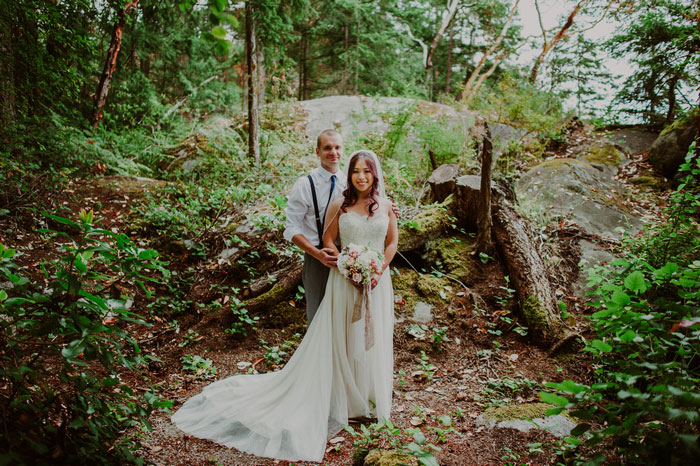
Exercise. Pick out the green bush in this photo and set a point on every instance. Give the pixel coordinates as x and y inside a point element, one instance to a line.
<point>646,396</point>
<point>63,346</point>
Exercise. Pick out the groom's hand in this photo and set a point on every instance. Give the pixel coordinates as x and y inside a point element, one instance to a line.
<point>395,208</point>
<point>328,257</point>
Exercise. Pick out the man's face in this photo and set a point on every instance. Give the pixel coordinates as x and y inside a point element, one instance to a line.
<point>330,151</point>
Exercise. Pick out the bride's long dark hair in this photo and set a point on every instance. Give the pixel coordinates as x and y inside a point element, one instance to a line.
<point>350,194</point>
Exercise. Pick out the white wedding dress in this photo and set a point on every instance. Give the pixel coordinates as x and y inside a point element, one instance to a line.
<point>290,414</point>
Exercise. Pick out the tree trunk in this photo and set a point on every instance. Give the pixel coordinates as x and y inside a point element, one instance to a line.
<point>301,94</point>
<point>469,88</point>
<point>466,203</point>
<point>345,86</point>
<point>483,218</point>
<point>357,54</point>
<point>443,181</point>
<point>448,69</point>
<point>518,246</point>
<point>671,99</point>
<point>447,17</point>
<point>253,129</point>
<point>549,45</point>
<point>110,62</point>
<point>261,75</point>
<point>8,112</point>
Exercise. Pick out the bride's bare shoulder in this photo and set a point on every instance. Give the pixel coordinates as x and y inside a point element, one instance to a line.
<point>384,204</point>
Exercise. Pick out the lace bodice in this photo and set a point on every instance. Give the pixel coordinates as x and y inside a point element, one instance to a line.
<point>363,230</point>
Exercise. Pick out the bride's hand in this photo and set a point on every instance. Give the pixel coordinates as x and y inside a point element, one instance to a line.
<point>374,281</point>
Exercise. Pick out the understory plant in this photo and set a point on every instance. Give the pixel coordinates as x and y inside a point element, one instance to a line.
<point>65,346</point>
<point>646,397</point>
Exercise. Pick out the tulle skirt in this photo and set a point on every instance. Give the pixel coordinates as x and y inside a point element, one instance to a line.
<point>290,414</point>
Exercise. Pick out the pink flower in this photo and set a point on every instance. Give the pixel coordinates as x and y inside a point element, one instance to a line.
<point>352,254</point>
<point>356,277</point>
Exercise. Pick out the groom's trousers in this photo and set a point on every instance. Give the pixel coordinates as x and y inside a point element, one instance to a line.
<point>314,275</point>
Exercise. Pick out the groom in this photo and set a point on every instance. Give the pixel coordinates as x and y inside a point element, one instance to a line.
<point>306,214</point>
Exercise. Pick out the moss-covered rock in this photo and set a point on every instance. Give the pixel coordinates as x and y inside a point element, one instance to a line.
<point>389,458</point>
<point>670,148</point>
<point>452,253</point>
<point>429,223</point>
<point>404,282</point>
<point>605,154</point>
<point>284,315</point>
<point>430,287</point>
<point>651,182</point>
<point>522,411</point>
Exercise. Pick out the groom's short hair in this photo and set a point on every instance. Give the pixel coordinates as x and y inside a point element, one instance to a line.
<point>326,132</point>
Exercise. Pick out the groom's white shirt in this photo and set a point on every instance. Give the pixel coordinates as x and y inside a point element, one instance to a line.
<point>301,217</point>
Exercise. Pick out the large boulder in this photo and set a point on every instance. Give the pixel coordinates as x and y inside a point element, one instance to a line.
<point>577,190</point>
<point>356,116</point>
<point>670,148</point>
<point>631,140</point>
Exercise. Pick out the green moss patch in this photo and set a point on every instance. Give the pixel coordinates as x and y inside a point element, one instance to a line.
<point>285,315</point>
<point>607,154</point>
<point>513,412</point>
<point>452,254</point>
<point>535,314</point>
<point>429,287</point>
<point>650,182</point>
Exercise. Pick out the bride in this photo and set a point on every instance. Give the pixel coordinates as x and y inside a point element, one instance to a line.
<point>332,376</point>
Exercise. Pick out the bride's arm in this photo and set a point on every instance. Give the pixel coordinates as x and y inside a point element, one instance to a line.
<point>392,244</point>
<point>392,240</point>
<point>330,231</point>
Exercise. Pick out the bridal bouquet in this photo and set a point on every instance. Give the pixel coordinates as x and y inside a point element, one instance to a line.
<point>359,263</point>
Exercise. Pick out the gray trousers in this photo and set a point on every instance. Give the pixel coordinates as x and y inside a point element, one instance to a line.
<point>314,276</point>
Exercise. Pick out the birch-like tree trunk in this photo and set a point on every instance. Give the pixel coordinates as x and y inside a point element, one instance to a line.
<point>473,82</point>
<point>111,62</point>
<point>548,45</point>
<point>251,53</point>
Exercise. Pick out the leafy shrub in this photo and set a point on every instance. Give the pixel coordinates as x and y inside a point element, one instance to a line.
<point>646,399</point>
<point>199,366</point>
<point>63,345</point>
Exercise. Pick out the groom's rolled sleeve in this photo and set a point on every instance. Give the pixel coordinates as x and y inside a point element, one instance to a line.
<point>296,210</point>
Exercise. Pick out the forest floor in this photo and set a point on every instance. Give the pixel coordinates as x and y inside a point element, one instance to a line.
<point>481,363</point>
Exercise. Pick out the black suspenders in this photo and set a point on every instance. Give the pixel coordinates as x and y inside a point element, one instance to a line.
<point>319,227</point>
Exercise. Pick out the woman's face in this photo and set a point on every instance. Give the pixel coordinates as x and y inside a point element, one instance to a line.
<point>362,178</point>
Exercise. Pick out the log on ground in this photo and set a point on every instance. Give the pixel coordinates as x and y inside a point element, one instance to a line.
<point>287,283</point>
<point>519,249</point>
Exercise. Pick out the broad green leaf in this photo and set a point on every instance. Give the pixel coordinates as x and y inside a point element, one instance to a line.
<point>58,219</point>
<point>79,264</point>
<point>601,346</point>
<point>73,349</point>
<point>620,298</point>
<point>218,32</point>
<point>628,335</point>
<point>553,399</point>
<point>667,270</point>
<point>148,254</point>
<point>602,314</point>
<point>3,295</point>
<point>222,47</point>
<point>419,437</point>
<point>571,387</point>
<point>554,411</point>
<point>636,282</point>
